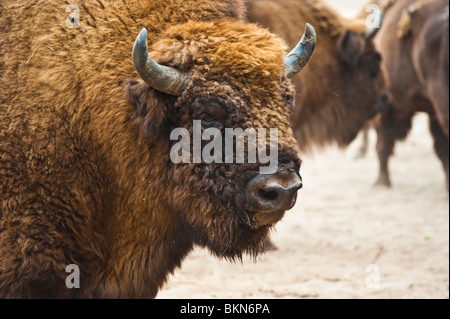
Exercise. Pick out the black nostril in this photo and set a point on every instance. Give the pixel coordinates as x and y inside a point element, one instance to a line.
<point>268,195</point>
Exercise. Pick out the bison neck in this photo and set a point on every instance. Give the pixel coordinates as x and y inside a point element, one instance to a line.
<point>145,248</point>
<point>144,238</point>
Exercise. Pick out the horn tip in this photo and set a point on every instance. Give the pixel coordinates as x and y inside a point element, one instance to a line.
<point>310,32</point>
<point>139,52</point>
<point>142,37</point>
<point>143,31</point>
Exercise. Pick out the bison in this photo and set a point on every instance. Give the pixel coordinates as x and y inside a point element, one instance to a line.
<point>414,43</point>
<point>343,86</point>
<point>86,177</point>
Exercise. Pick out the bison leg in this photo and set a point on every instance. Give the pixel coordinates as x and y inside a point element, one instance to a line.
<point>36,246</point>
<point>364,143</point>
<point>30,267</point>
<point>441,144</point>
<point>391,129</point>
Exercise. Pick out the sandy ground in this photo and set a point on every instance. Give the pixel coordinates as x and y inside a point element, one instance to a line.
<point>345,238</point>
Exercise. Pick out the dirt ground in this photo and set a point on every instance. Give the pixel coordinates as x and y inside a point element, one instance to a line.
<point>345,238</point>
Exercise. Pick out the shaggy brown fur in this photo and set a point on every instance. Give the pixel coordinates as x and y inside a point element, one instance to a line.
<point>415,45</point>
<point>342,86</point>
<point>85,173</point>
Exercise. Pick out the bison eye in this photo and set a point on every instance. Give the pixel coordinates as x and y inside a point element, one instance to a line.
<point>209,122</point>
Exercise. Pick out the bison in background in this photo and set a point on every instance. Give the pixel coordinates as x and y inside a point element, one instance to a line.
<point>414,42</point>
<point>342,87</point>
<point>85,171</point>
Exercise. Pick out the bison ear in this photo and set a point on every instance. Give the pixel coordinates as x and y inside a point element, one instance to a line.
<point>150,105</point>
<point>350,47</point>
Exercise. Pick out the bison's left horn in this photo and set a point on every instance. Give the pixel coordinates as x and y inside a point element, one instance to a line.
<point>299,57</point>
<point>376,25</point>
<point>162,78</point>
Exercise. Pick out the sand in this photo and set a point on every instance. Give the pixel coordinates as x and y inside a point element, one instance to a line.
<point>345,238</point>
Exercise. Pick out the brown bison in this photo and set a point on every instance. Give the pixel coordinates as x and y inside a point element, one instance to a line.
<point>86,176</point>
<point>414,42</point>
<point>342,87</point>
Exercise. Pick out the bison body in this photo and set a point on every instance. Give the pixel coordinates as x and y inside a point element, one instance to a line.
<point>85,170</point>
<point>342,87</point>
<point>415,45</point>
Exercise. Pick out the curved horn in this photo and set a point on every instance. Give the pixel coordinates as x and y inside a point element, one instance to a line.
<point>162,78</point>
<point>378,19</point>
<point>299,57</point>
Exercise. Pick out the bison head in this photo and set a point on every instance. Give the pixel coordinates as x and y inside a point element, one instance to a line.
<point>222,75</point>
<point>363,85</point>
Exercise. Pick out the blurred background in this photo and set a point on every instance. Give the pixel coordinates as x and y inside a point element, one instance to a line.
<point>345,238</point>
<point>348,8</point>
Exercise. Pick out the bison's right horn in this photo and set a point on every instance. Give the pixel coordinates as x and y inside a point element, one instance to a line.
<point>162,78</point>
<point>302,53</point>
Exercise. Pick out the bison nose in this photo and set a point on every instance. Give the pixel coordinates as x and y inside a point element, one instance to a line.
<point>273,193</point>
